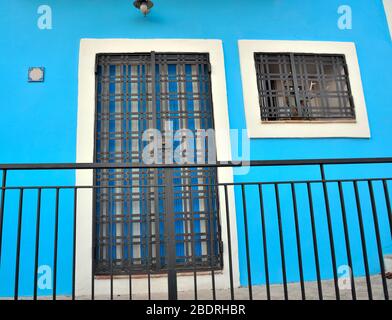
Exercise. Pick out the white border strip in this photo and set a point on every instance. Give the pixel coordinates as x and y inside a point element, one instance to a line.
<point>304,129</point>
<point>89,48</point>
<point>388,12</point>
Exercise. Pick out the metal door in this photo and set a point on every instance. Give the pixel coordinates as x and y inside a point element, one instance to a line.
<point>153,220</point>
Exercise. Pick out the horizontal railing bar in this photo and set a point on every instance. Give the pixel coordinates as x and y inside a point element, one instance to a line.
<point>222,164</point>
<point>197,185</point>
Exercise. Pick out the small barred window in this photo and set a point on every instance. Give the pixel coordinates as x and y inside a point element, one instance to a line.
<point>303,87</point>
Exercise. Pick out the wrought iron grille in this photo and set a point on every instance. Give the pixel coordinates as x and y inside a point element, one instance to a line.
<point>136,220</point>
<point>303,87</point>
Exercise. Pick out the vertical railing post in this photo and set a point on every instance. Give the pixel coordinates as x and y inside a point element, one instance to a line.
<point>74,244</point>
<point>388,203</point>
<point>110,251</point>
<point>212,238</point>
<point>378,240</point>
<point>170,234</point>
<point>2,203</point>
<point>298,238</point>
<point>314,238</point>
<point>37,236</point>
<point>347,239</point>
<point>18,244</point>
<point>330,232</point>
<point>229,242</point>
<point>281,241</point>
<point>363,241</point>
<point>56,240</point>
<point>265,248</point>
<point>248,267</point>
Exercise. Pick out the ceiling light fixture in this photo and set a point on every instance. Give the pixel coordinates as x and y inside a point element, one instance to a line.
<point>144,6</point>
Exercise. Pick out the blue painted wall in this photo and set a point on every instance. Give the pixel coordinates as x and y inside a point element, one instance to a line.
<point>38,121</point>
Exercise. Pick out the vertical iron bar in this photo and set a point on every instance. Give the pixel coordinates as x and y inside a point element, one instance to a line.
<point>213,284</point>
<point>110,221</point>
<point>314,237</point>
<point>298,236</point>
<point>2,203</point>
<point>130,284</point>
<point>93,241</point>
<point>296,86</point>
<point>388,202</point>
<point>153,90</point>
<point>378,239</point>
<point>330,233</point>
<point>98,80</point>
<point>193,246</point>
<point>211,242</point>
<point>247,243</point>
<point>347,240</point>
<point>229,243</point>
<point>130,247</point>
<point>156,171</point>
<point>194,274</point>
<point>171,241</point>
<point>363,241</point>
<point>219,225</point>
<point>265,249</point>
<point>172,278</point>
<point>56,232</point>
<point>74,244</point>
<point>16,292</point>
<point>155,182</point>
<point>281,240</point>
<point>37,236</point>
<point>195,284</point>
<point>149,273</point>
<point>148,241</point>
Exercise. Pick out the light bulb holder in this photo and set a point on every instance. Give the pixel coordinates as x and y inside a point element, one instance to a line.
<point>138,4</point>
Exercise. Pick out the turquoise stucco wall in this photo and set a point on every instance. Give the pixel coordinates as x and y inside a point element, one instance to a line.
<point>38,121</point>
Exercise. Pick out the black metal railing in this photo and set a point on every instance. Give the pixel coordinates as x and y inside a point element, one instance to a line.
<point>308,237</point>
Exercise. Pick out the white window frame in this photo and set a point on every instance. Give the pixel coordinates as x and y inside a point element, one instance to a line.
<point>257,128</point>
<point>89,48</point>
<point>388,12</point>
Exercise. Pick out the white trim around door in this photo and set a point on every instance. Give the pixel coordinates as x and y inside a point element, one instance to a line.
<point>89,48</point>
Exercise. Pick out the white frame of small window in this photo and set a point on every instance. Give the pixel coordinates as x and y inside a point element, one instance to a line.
<point>388,13</point>
<point>257,128</point>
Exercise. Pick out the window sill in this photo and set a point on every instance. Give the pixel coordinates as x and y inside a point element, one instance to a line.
<point>292,129</point>
<point>263,122</point>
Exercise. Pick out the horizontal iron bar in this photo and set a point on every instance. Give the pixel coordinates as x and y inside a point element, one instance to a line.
<point>221,164</point>
<point>223,184</point>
